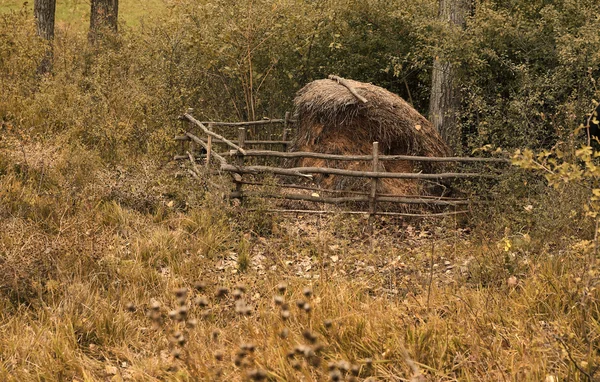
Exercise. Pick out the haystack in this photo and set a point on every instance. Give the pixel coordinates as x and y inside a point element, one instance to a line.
<point>334,121</point>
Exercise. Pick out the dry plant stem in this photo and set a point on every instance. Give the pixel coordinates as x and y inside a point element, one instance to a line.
<point>593,259</point>
<point>573,361</point>
<point>430,275</point>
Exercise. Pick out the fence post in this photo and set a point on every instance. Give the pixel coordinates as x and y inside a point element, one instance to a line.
<point>182,142</point>
<point>191,130</point>
<point>374,183</point>
<point>240,159</point>
<point>209,146</point>
<point>286,120</point>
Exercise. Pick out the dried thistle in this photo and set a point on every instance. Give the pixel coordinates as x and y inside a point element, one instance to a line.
<point>281,287</point>
<point>257,375</point>
<point>309,336</point>
<point>181,293</point>
<point>307,292</point>
<point>201,301</point>
<point>222,292</point>
<point>278,300</point>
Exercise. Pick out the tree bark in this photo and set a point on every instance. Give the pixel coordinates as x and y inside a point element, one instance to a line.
<point>103,17</point>
<point>43,11</point>
<point>445,94</point>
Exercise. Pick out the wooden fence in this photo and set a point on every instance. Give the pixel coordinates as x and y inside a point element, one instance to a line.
<point>237,156</point>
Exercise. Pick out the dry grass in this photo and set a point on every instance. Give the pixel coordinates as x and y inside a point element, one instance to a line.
<point>331,120</point>
<point>90,291</point>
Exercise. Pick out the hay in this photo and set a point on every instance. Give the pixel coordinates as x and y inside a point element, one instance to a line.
<point>332,120</point>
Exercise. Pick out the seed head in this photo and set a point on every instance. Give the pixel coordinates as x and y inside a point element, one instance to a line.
<point>173,314</point>
<point>237,294</point>
<point>300,303</point>
<point>343,365</point>
<point>238,361</point>
<point>215,334</point>
<point>218,356</point>
<point>257,375</point>
<point>249,347</point>
<point>328,324</point>
<point>314,361</point>
<point>284,333</point>
<point>199,286</point>
<point>307,292</point>
<point>241,288</point>
<point>130,307</point>
<point>222,292</point>
<point>297,365</point>
<point>278,300</point>
<point>201,301</point>
<point>281,287</point>
<point>191,323</point>
<point>181,292</point>
<point>306,307</point>
<point>355,370</point>
<point>155,306</point>
<point>335,375</point>
<point>183,312</point>
<point>309,336</point>
<point>318,347</point>
<point>285,314</point>
<point>176,353</point>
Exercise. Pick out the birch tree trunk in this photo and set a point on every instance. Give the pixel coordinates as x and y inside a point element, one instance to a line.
<point>103,17</point>
<point>445,95</point>
<point>43,11</point>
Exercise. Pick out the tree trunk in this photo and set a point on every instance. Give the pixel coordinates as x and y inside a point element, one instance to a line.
<point>445,95</point>
<point>103,17</point>
<point>43,11</point>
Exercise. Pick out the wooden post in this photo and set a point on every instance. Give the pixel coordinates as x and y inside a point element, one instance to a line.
<point>208,150</point>
<point>182,142</point>
<point>374,183</point>
<point>286,120</point>
<point>191,131</point>
<point>240,159</point>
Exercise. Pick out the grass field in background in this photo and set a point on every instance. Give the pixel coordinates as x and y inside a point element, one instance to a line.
<point>77,12</point>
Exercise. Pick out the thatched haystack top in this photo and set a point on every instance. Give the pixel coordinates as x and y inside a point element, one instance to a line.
<point>325,109</point>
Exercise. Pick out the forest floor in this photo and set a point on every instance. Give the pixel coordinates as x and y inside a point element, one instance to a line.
<point>130,273</point>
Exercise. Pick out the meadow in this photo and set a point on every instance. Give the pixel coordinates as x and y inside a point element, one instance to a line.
<point>116,265</point>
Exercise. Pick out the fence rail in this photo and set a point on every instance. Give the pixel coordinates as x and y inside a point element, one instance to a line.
<point>234,161</point>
